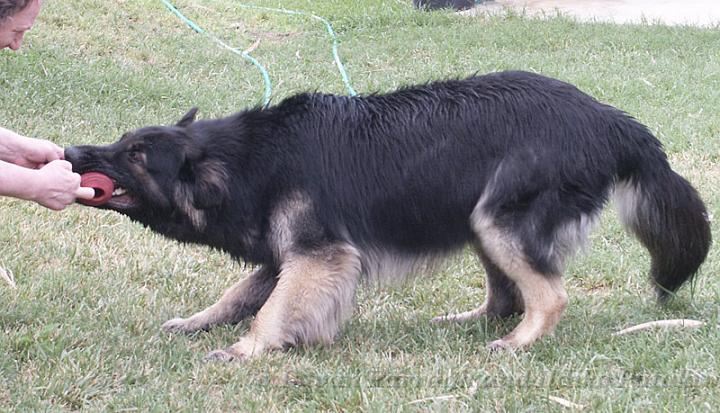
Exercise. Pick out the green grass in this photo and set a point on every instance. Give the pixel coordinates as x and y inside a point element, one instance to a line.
<point>82,329</point>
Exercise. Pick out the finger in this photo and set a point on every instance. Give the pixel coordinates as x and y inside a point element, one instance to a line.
<point>63,164</point>
<point>55,152</point>
<point>84,192</point>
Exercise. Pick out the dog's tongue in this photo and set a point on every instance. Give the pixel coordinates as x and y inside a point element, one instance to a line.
<point>102,185</point>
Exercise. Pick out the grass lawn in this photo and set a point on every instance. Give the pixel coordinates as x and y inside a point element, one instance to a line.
<point>82,329</point>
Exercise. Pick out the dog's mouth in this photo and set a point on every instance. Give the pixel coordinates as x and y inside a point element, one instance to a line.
<point>121,198</point>
<point>109,193</point>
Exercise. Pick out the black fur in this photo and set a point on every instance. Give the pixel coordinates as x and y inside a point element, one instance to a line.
<point>403,172</point>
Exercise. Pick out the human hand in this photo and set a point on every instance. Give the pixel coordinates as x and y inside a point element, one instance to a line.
<point>56,186</point>
<point>27,152</point>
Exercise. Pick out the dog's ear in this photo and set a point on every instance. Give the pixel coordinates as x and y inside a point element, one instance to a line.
<point>206,179</point>
<point>188,118</point>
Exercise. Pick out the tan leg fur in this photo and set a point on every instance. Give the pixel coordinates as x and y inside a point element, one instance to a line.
<point>314,295</point>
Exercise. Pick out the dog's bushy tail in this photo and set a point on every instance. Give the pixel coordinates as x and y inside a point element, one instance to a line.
<point>666,213</point>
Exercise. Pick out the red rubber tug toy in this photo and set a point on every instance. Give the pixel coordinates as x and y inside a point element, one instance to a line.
<point>102,185</point>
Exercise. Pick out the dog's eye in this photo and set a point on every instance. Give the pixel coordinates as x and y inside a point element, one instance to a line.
<point>134,155</point>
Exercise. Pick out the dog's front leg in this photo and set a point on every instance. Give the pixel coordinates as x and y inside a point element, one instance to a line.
<point>315,293</point>
<point>240,301</point>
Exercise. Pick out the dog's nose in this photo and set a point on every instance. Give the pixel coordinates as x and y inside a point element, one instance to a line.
<point>72,154</point>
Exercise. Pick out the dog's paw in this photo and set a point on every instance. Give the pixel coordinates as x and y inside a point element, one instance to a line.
<point>500,345</point>
<point>179,325</point>
<point>440,319</point>
<point>223,356</point>
<point>461,317</point>
<point>450,318</point>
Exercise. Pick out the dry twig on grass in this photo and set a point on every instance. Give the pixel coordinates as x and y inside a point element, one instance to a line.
<point>680,323</point>
<point>7,275</point>
<point>566,403</point>
<point>253,46</point>
<point>434,399</point>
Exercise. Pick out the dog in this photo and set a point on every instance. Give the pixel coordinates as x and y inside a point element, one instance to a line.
<point>321,192</point>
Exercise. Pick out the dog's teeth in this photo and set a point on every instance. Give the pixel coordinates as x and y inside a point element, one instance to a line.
<point>119,191</point>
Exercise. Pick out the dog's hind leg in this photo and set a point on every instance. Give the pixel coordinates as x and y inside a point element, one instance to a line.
<point>543,293</point>
<point>240,301</point>
<point>502,298</point>
<point>314,295</point>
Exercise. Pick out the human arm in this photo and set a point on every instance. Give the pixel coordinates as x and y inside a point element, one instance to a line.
<point>54,185</point>
<point>27,152</point>
<point>33,169</point>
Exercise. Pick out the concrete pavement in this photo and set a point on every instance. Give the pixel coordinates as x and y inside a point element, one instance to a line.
<point>704,13</point>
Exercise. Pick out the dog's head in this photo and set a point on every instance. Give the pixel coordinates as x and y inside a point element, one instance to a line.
<point>156,171</point>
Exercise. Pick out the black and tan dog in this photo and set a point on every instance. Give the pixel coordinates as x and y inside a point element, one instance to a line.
<point>321,191</point>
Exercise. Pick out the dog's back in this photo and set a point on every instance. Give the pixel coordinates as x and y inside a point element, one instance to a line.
<point>405,170</point>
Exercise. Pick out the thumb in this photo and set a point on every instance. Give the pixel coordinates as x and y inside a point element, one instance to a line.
<point>84,192</point>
